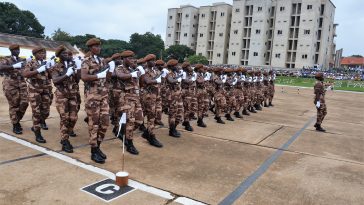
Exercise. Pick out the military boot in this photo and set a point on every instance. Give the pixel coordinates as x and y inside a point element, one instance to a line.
<point>219,120</point>
<point>72,134</point>
<point>251,109</point>
<point>173,132</point>
<point>265,104</point>
<point>19,125</point>
<point>320,129</point>
<point>16,129</point>
<point>66,146</point>
<point>153,141</point>
<point>100,152</point>
<point>270,104</point>
<point>142,127</point>
<point>245,112</point>
<point>130,147</point>
<point>43,125</point>
<point>38,136</point>
<point>95,156</point>
<point>158,122</point>
<point>188,126</point>
<point>228,117</point>
<point>200,123</point>
<point>237,115</point>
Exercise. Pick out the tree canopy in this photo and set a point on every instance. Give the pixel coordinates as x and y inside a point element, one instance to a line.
<point>144,44</point>
<point>178,52</point>
<point>15,21</point>
<point>194,59</point>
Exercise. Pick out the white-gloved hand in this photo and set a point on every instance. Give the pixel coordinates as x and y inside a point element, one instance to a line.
<point>141,70</point>
<point>42,69</point>
<point>78,63</point>
<point>179,80</point>
<point>69,72</point>
<point>318,104</point>
<point>48,64</point>
<point>18,65</point>
<point>102,74</point>
<point>29,59</point>
<point>159,80</point>
<point>134,74</point>
<point>112,66</point>
<point>193,78</point>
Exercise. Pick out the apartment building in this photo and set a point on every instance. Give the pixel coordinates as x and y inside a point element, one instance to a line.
<point>277,33</point>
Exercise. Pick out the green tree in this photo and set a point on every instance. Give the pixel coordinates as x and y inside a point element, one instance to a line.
<point>194,59</point>
<point>178,52</point>
<point>59,35</point>
<point>112,46</point>
<point>144,44</point>
<point>15,21</point>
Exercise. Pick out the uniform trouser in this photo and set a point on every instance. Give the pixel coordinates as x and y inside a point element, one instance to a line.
<point>150,110</point>
<point>134,114</point>
<point>112,108</point>
<point>164,96</point>
<point>67,108</point>
<point>158,108</point>
<point>97,110</point>
<point>271,92</point>
<point>40,101</point>
<point>230,101</point>
<point>118,98</point>
<point>16,93</point>
<point>175,102</point>
<point>189,104</point>
<point>239,95</point>
<point>321,113</point>
<point>220,102</point>
<point>203,102</point>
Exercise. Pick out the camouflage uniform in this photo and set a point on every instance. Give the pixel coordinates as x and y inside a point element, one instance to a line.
<point>202,96</point>
<point>230,95</point>
<point>271,88</point>
<point>319,90</point>
<point>175,102</point>
<point>189,97</point>
<point>96,101</point>
<point>219,97</point>
<point>39,95</point>
<point>15,90</point>
<point>66,99</point>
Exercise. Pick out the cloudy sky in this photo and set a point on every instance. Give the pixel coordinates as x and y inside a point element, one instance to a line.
<point>118,19</point>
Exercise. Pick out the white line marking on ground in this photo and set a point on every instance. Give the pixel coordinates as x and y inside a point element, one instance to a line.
<point>97,170</point>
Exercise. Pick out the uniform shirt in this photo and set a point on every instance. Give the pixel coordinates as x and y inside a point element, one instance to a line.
<point>319,89</point>
<point>200,76</point>
<point>14,72</point>
<point>174,86</point>
<point>189,77</point>
<point>39,80</point>
<point>152,74</point>
<point>130,85</point>
<point>93,65</point>
<point>69,84</point>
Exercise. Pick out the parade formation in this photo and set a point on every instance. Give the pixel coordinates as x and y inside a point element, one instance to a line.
<point>143,89</point>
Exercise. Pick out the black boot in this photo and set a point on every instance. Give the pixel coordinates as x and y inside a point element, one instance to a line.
<point>95,156</point>
<point>252,110</point>
<point>130,147</point>
<point>38,136</point>
<point>115,130</point>
<point>72,134</point>
<point>270,104</point>
<point>100,152</point>
<point>200,123</point>
<point>219,120</point>
<point>86,120</point>
<point>193,117</point>
<point>142,127</point>
<point>16,129</point>
<point>245,112</point>
<point>43,125</point>
<point>153,141</point>
<point>173,132</point>
<point>228,117</point>
<point>237,115</point>
<point>257,107</point>
<point>320,129</point>
<point>158,122</point>
<point>265,104</point>
<point>66,146</point>
<point>188,126</point>
<point>19,125</point>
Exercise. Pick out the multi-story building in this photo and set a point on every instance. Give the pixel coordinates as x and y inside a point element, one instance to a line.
<point>277,33</point>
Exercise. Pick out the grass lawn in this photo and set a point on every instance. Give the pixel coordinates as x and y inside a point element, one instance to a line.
<point>348,85</point>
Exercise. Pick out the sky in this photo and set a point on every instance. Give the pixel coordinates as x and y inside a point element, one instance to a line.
<point>118,19</point>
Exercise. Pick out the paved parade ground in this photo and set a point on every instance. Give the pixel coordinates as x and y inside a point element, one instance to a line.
<point>272,157</point>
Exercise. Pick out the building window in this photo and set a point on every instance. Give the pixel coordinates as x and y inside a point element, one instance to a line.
<point>236,32</point>
<point>233,53</point>
<point>278,55</point>
<point>282,8</point>
<point>304,56</point>
<point>257,31</point>
<point>169,35</point>
<point>203,15</point>
<point>237,10</point>
<point>280,32</point>
<point>222,14</point>
<point>260,8</point>
<point>218,55</point>
<point>170,17</point>
<point>255,54</point>
<point>221,34</point>
<point>192,44</point>
<point>194,16</point>
<point>306,32</point>
<point>185,35</point>
<point>193,35</point>
<point>187,15</point>
<point>200,54</point>
<point>309,7</point>
<point>201,34</point>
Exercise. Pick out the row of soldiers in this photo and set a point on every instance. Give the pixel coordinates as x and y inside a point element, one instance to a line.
<point>121,84</point>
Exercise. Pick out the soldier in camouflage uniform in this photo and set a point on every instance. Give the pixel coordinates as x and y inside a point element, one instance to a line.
<point>175,102</point>
<point>161,98</point>
<point>152,81</point>
<point>271,80</point>
<point>252,91</point>
<point>219,97</point>
<point>65,78</point>
<point>229,93</point>
<point>319,100</point>
<point>96,77</point>
<point>265,88</point>
<point>129,76</point>
<point>246,92</point>
<point>201,94</point>
<point>258,90</point>
<point>238,92</point>
<point>38,91</point>
<point>15,87</point>
<point>188,95</point>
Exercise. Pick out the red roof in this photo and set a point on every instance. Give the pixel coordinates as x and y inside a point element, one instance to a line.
<point>352,61</point>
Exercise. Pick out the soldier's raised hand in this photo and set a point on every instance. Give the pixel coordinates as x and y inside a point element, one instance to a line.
<point>135,74</point>
<point>112,66</point>
<point>159,80</point>
<point>102,74</point>
<point>42,69</point>
<point>70,71</point>
<point>18,65</point>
